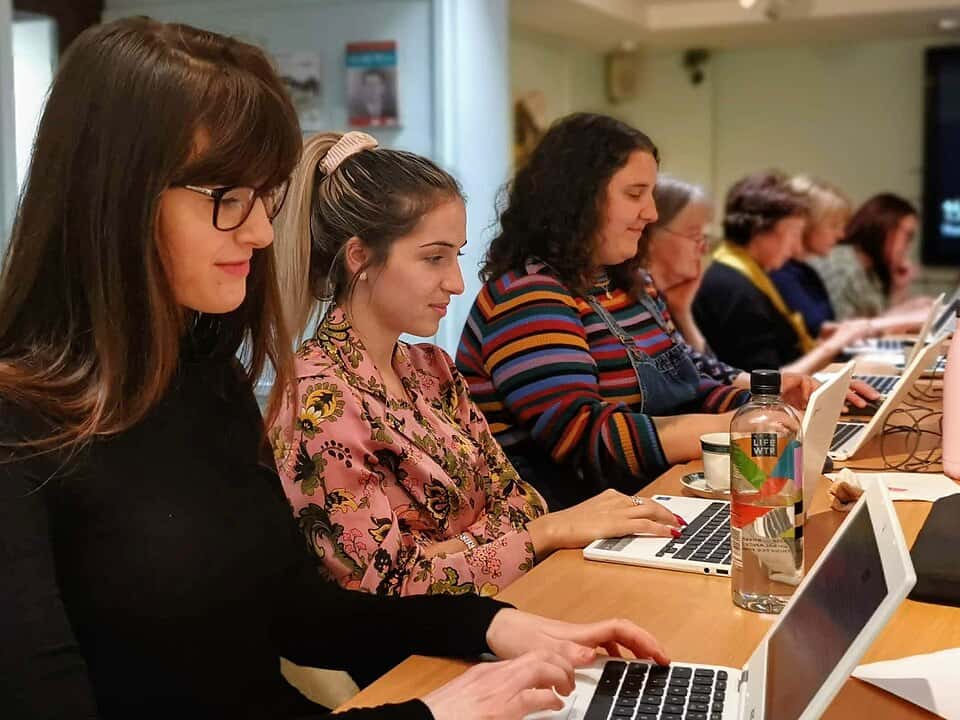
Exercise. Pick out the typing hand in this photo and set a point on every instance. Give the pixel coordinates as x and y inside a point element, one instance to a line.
<point>860,394</point>
<point>797,388</point>
<point>507,690</point>
<point>513,633</point>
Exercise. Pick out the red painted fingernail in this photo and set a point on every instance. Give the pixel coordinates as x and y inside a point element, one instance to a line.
<point>676,533</point>
<point>680,520</point>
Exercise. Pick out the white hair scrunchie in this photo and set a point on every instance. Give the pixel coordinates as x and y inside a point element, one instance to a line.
<point>349,144</point>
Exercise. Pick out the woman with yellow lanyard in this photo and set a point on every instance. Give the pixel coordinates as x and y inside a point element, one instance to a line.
<point>738,308</point>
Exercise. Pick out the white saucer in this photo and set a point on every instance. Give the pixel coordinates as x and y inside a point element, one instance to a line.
<point>697,485</point>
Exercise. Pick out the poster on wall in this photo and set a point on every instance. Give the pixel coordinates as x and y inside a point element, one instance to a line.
<point>372,84</point>
<point>302,73</point>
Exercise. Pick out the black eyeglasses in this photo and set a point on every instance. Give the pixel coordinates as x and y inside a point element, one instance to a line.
<point>233,204</point>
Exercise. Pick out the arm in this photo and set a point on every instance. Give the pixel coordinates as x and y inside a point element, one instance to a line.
<point>535,351</point>
<point>42,671</point>
<point>352,509</point>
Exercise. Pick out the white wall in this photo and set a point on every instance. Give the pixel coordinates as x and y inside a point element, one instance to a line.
<point>473,127</point>
<point>8,164</point>
<point>325,26</point>
<point>34,52</point>
<point>852,113</point>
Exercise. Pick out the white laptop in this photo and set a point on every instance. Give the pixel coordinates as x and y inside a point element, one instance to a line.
<point>849,437</point>
<point>843,603</point>
<point>704,546</point>
<point>894,351</point>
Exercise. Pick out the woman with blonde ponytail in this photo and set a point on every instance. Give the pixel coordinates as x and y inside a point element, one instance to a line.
<point>391,469</point>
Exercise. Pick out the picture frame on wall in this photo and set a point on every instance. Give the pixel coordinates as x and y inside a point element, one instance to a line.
<point>302,73</point>
<point>372,88</point>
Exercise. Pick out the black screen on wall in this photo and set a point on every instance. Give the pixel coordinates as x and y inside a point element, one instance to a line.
<point>941,178</point>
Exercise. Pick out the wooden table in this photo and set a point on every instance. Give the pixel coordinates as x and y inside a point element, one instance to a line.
<point>693,615</point>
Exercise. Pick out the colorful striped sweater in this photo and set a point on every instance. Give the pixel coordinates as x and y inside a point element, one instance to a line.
<point>558,389</point>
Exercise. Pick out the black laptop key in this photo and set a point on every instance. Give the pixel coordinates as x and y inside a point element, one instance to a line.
<point>672,711</point>
<point>599,708</point>
<point>694,715</point>
<point>653,692</point>
<point>699,698</point>
<point>719,695</point>
<point>721,685</point>
<point>699,707</point>
<point>626,702</point>
<point>622,713</point>
<point>721,675</point>
<point>679,682</point>
<point>717,707</point>
<point>657,682</point>
<point>675,691</point>
<point>647,716</point>
<point>682,672</point>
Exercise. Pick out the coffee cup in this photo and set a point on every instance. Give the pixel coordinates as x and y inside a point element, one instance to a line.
<point>716,460</point>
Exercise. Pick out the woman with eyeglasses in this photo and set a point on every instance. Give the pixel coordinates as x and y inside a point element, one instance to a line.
<point>150,566</point>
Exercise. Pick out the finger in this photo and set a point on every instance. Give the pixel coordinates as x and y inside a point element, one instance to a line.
<point>862,388</point>
<point>625,633</point>
<point>652,510</point>
<point>856,400</point>
<point>578,655</point>
<point>540,669</point>
<point>642,526</point>
<point>612,649</point>
<point>531,701</point>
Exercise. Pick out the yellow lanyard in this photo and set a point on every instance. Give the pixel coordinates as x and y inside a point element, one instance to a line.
<point>738,259</point>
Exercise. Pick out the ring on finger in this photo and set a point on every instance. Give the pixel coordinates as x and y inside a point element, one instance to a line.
<point>636,500</point>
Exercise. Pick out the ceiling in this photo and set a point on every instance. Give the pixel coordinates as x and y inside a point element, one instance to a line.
<point>611,24</point>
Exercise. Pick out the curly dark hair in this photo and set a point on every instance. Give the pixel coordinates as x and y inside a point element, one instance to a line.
<point>758,202</point>
<point>552,209</point>
<point>870,225</point>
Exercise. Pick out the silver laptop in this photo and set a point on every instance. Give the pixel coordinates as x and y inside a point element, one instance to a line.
<point>850,437</point>
<point>704,545</point>
<point>843,603</point>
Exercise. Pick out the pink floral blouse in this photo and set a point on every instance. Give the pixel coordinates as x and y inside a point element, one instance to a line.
<point>374,480</point>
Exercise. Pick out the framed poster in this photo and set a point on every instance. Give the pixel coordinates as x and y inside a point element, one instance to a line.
<point>372,84</point>
<point>302,73</point>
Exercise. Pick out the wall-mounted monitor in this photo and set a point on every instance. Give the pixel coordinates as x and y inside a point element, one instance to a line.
<point>941,177</point>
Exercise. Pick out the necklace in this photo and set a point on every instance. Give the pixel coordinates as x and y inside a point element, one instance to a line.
<point>603,282</point>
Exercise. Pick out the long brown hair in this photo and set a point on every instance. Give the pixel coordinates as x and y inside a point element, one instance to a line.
<point>90,331</point>
<point>870,226</point>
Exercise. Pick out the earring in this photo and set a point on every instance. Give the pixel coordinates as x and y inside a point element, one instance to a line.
<point>363,275</point>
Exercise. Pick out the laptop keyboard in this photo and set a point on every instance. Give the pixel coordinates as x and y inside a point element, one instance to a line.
<point>883,384</point>
<point>705,539</point>
<point>844,432</point>
<point>888,345</point>
<point>639,691</point>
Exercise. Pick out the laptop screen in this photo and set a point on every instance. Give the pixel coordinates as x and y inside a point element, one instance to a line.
<point>821,623</point>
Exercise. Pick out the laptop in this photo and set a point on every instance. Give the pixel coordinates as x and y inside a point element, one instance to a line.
<point>849,595</point>
<point>704,545</point>
<point>895,350</point>
<point>934,326</point>
<point>849,437</point>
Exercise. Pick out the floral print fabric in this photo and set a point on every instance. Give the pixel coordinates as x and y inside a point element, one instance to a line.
<point>375,480</point>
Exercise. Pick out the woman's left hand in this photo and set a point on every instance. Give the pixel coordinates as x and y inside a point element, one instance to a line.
<point>796,389</point>
<point>513,633</point>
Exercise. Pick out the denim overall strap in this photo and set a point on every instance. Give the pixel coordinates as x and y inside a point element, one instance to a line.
<point>669,381</point>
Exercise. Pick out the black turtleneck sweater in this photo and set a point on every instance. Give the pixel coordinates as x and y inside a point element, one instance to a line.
<point>160,573</point>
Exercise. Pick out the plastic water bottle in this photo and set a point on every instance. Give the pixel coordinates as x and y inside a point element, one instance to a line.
<point>766,493</point>
<point>951,407</point>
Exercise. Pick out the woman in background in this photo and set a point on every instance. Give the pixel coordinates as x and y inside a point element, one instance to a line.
<point>568,349</point>
<point>740,312</point>
<point>802,286</point>
<point>869,273</point>
<point>672,252</point>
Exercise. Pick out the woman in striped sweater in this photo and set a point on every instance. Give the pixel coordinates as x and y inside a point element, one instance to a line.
<point>568,349</point>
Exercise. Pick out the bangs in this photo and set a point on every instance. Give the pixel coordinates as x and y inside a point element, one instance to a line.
<point>249,134</point>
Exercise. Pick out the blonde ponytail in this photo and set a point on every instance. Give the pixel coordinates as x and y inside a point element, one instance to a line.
<point>292,238</point>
